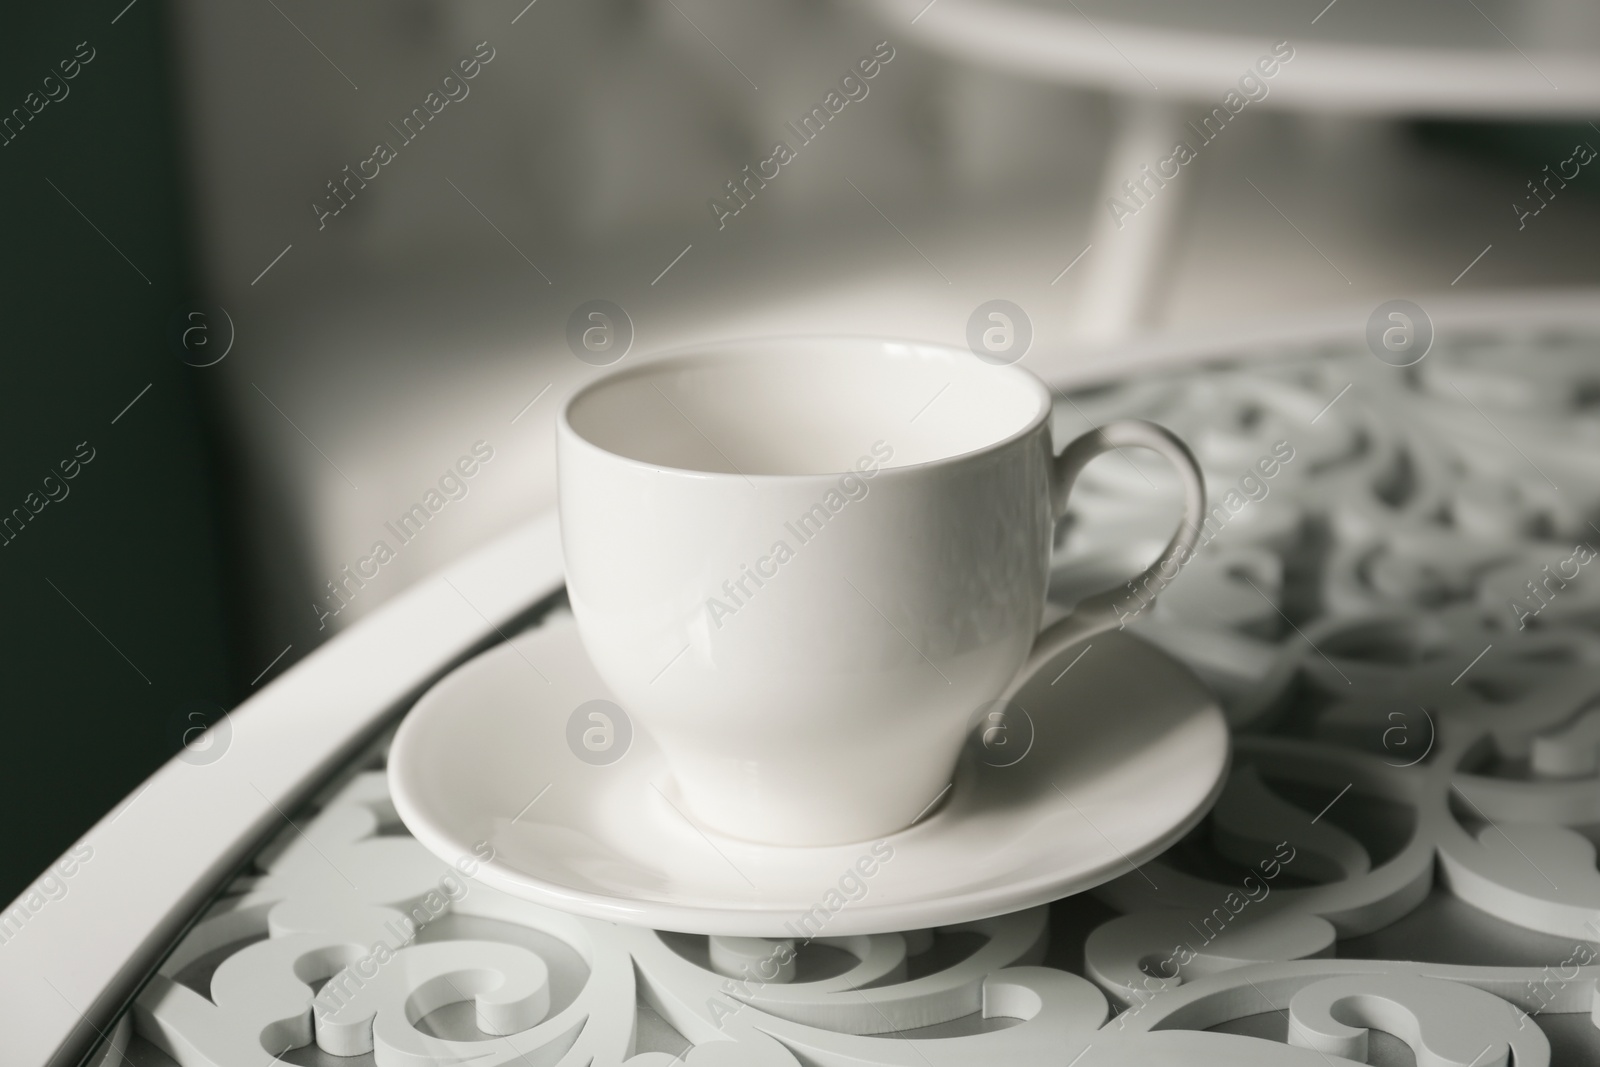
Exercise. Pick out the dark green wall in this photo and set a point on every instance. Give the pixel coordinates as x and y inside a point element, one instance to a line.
<point>133,544</point>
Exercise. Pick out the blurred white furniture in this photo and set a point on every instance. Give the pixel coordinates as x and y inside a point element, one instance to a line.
<point>1163,59</point>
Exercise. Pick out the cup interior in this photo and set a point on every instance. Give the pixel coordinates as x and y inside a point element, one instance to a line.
<point>806,407</point>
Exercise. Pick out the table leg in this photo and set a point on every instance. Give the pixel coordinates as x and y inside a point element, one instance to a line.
<point>1133,220</point>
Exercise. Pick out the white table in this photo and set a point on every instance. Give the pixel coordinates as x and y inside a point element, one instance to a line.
<point>1486,929</point>
<point>1169,62</point>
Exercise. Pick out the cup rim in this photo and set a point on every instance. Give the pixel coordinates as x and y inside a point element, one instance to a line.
<point>720,349</point>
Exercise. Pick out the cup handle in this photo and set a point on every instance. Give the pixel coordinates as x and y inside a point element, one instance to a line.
<point>1098,613</point>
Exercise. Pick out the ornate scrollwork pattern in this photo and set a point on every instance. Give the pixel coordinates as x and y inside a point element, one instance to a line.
<point>1397,601</point>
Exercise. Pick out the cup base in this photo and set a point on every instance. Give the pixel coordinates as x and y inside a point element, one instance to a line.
<point>843,800</point>
<point>675,795</point>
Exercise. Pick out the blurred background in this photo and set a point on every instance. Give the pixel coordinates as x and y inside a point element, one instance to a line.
<point>275,266</point>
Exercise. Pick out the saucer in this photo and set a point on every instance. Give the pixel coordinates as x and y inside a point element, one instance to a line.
<point>1128,752</point>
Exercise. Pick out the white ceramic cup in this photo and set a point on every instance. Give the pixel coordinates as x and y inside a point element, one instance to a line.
<point>802,565</point>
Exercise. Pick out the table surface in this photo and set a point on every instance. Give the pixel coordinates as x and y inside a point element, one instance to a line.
<point>1396,608</point>
<point>1420,57</point>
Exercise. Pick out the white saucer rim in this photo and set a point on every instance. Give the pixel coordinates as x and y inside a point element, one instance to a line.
<point>742,919</point>
<point>728,920</point>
